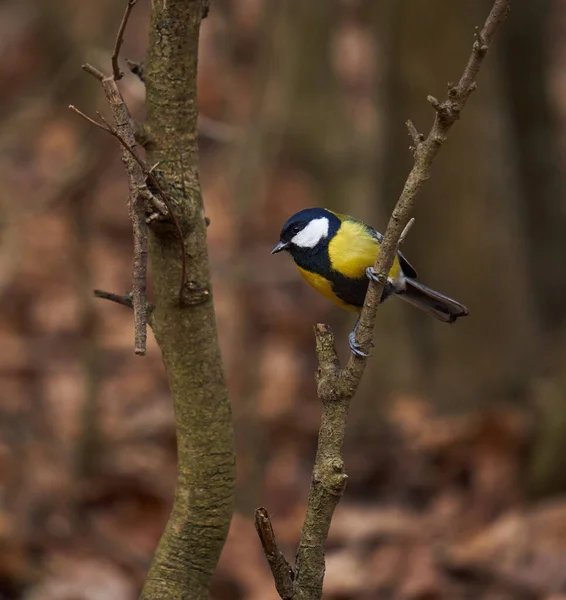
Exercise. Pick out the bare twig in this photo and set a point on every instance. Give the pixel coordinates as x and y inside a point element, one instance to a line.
<point>142,188</point>
<point>337,386</point>
<point>405,231</point>
<point>119,40</point>
<point>89,119</point>
<point>123,299</point>
<point>280,568</point>
<point>93,71</point>
<point>124,132</point>
<point>144,191</point>
<point>139,270</point>
<point>105,126</point>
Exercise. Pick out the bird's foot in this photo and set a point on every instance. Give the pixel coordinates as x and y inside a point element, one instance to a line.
<point>374,276</point>
<point>355,347</point>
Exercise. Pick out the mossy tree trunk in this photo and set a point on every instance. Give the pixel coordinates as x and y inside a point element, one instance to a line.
<point>193,539</point>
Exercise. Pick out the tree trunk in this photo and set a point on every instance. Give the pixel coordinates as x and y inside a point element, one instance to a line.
<point>193,539</point>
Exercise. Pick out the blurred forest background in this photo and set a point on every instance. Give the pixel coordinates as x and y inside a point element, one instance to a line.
<point>457,439</point>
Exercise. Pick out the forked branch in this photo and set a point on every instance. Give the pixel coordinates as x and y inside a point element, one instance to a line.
<point>119,41</point>
<point>140,197</point>
<point>123,130</point>
<point>335,385</point>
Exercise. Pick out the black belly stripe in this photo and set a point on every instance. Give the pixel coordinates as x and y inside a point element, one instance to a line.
<point>351,291</point>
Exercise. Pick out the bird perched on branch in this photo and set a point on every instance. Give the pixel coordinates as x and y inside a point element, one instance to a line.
<point>335,253</point>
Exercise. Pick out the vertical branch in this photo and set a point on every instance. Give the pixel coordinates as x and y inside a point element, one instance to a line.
<point>124,127</point>
<point>123,130</point>
<point>139,272</point>
<point>117,74</point>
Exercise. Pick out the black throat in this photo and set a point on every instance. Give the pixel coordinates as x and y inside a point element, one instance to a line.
<point>315,260</point>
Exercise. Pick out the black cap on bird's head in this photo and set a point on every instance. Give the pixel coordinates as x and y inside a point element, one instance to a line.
<point>309,229</point>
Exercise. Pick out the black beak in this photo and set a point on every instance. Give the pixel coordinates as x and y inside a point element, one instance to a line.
<point>280,246</point>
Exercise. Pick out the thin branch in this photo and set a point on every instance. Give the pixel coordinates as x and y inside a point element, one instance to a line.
<point>120,39</point>
<point>142,188</point>
<point>93,71</point>
<point>149,175</point>
<point>139,225</point>
<point>139,270</point>
<point>139,174</point>
<point>90,120</point>
<point>405,231</point>
<point>124,132</point>
<point>337,386</point>
<point>112,131</point>
<point>123,299</point>
<point>281,570</point>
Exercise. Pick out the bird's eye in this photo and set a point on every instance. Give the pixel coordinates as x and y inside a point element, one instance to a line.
<point>296,229</point>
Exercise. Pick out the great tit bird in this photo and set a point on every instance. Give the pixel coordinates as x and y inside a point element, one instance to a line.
<point>335,253</point>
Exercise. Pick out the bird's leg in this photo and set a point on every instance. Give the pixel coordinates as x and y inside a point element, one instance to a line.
<point>389,287</point>
<point>374,276</point>
<point>354,346</point>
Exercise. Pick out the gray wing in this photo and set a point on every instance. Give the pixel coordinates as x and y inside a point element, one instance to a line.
<point>407,267</point>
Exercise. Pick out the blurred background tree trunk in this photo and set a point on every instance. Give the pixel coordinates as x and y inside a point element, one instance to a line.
<point>535,137</point>
<point>469,222</point>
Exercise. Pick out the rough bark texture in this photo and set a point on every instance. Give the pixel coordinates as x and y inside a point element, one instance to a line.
<point>191,544</point>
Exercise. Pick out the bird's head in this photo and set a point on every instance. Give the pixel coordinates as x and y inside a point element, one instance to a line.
<point>307,231</point>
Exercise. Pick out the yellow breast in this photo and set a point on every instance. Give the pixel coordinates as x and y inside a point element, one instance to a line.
<point>352,250</point>
<point>324,287</point>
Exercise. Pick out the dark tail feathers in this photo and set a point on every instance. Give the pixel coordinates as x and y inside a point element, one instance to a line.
<point>438,305</point>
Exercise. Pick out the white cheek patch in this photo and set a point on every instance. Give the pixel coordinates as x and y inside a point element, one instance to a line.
<point>311,235</point>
